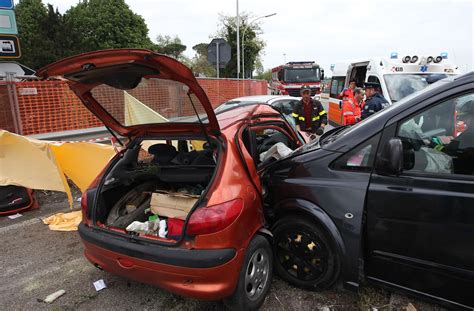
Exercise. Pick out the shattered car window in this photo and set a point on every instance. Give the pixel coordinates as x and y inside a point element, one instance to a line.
<point>151,101</point>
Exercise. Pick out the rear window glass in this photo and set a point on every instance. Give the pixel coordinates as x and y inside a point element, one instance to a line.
<point>152,101</point>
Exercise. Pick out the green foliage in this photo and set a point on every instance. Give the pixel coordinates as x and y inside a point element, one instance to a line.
<point>264,75</point>
<point>251,43</point>
<point>170,46</point>
<point>46,35</point>
<point>199,64</point>
<point>104,24</point>
<point>37,47</point>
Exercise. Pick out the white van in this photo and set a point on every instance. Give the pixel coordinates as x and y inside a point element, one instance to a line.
<point>398,77</point>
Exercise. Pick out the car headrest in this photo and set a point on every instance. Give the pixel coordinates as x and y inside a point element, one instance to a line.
<point>163,153</point>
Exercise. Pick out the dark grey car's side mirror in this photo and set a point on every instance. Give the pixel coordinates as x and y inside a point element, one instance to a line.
<point>390,159</point>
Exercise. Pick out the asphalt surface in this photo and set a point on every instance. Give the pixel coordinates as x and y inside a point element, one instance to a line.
<point>37,262</point>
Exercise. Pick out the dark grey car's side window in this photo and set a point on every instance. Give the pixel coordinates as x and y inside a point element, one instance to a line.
<point>440,139</point>
<point>359,159</point>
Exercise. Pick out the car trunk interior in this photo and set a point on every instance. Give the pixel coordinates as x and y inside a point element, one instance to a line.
<point>153,187</point>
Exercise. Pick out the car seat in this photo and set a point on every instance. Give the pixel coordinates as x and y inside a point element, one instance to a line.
<point>163,153</point>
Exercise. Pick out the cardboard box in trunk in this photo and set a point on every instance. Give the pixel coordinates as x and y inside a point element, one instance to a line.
<point>172,205</point>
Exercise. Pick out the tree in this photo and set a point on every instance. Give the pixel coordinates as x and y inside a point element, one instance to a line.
<point>170,46</point>
<point>199,63</point>
<point>35,24</point>
<point>264,75</point>
<point>252,44</point>
<point>102,24</point>
<point>47,36</point>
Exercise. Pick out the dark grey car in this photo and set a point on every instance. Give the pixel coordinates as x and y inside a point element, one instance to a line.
<point>389,200</point>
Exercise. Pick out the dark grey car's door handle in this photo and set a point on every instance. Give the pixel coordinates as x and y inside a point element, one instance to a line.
<point>400,188</point>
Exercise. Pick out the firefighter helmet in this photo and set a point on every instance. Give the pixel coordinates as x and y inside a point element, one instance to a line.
<point>305,88</point>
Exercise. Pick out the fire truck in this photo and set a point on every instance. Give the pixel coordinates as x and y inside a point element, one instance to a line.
<point>397,76</point>
<point>287,79</point>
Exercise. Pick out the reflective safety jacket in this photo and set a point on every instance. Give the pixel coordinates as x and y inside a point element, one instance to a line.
<point>318,116</point>
<point>350,111</point>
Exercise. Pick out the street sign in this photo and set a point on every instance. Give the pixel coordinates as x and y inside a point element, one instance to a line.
<point>224,52</point>
<point>9,46</point>
<point>8,22</point>
<point>18,69</point>
<point>6,4</point>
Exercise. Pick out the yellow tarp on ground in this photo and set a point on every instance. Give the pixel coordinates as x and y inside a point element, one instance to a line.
<point>37,164</point>
<point>64,221</point>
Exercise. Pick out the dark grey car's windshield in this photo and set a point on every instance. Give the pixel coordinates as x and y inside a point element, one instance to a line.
<point>302,75</point>
<point>402,85</point>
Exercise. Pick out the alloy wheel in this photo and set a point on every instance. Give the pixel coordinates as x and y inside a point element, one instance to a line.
<point>257,272</point>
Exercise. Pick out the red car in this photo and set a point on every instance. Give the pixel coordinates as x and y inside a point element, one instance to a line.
<point>181,205</point>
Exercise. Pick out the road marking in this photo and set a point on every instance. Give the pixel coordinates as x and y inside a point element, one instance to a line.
<point>22,224</point>
<point>33,279</point>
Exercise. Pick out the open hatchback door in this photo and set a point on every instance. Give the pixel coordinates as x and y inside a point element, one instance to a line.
<point>136,91</point>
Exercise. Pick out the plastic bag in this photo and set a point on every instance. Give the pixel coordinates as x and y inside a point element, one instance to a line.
<point>277,151</point>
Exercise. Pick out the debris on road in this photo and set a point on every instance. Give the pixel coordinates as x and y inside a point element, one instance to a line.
<point>54,296</point>
<point>99,285</point>
<point>17,215</point>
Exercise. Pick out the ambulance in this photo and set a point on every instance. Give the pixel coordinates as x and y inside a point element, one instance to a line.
<point>398,77</point>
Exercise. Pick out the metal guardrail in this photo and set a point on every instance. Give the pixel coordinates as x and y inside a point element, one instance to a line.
<point>94,134</point>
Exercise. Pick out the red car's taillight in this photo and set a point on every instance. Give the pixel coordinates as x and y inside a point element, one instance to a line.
<point>214,218</point>
<point>84,206</point>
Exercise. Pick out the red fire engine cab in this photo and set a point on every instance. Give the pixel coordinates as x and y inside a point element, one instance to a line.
<point>287,79</point>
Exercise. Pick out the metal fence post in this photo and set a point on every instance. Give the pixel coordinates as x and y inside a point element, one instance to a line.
<point>13,99</point>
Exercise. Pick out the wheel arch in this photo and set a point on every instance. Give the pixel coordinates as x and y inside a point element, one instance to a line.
<point>307,209</point>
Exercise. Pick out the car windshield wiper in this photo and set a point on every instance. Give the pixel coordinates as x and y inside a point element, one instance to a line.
<point>330,136</point>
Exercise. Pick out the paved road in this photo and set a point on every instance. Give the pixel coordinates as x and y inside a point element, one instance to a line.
<point>37,262</point>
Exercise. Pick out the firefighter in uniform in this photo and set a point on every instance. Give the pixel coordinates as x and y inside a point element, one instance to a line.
<point>309,114</point>
<point>375,101</point>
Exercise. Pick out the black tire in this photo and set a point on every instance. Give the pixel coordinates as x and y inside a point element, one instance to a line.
<point>304,254</point>
<point>138,197</point>
<point>252,290</point>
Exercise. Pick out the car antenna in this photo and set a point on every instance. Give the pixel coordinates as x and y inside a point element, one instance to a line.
<point>200,122</point>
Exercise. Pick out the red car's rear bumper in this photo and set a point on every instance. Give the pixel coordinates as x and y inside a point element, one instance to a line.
<point>202,282</point>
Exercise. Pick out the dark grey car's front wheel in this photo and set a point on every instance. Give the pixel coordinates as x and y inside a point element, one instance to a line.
<point>255,276</point>
<point>305,256</point>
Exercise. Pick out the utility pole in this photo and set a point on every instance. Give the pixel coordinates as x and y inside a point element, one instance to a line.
<point>217,58</point>
<point>238,41</point>
<point>243,40</point>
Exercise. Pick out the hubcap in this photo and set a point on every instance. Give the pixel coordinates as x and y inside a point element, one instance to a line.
<point>256,274</point>
<point>302,254</point>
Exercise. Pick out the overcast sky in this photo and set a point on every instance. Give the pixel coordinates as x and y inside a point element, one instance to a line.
<point>326,31</point>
